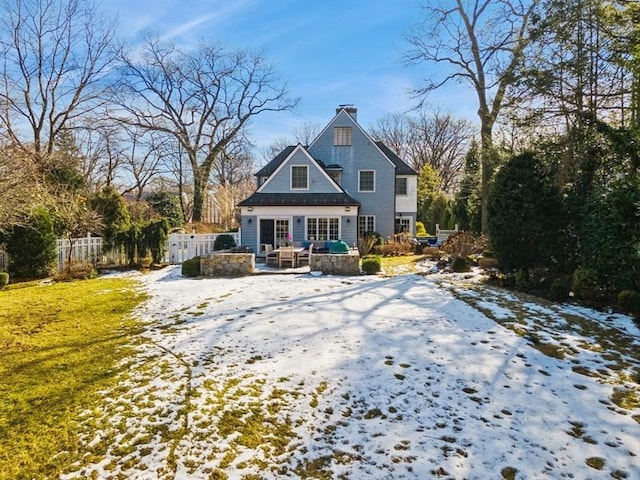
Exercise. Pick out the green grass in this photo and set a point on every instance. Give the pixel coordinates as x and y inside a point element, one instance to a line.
<point>400,265</point>
<point>59,345</point>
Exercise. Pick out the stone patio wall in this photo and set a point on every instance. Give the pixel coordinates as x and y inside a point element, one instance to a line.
<point>227,264</point>
<point>334,264</point>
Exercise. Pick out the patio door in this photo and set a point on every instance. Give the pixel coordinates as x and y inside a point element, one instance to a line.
<point>273,231</point>
<point>267,232</point>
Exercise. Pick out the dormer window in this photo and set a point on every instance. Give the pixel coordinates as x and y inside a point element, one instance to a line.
<point>299,177</point>
<point>342,136</point>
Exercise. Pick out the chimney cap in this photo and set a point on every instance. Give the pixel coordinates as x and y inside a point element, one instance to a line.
<point>349,108</point>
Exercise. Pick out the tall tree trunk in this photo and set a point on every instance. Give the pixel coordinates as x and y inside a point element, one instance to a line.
<point>487,167</point>
<point>199,194</point>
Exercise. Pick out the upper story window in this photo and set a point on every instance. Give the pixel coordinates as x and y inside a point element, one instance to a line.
<point>401,186</point>
<point>342,136</point>
<point>366,181</point>
<point>299,177</point>
<point>336,175</point>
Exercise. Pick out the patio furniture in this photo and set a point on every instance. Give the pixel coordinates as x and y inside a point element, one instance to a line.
<point>303,256</point>
<point>271,256</point>
<point>286,256</point>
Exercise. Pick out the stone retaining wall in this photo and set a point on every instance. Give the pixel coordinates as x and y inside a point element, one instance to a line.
<point>334,264</point>
<point>227,264</point>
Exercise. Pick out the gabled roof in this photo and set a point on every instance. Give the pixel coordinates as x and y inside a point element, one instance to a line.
<point>401,167</point>
<point>271,167</point>
<point>283,157</point>
<point>299,199</point>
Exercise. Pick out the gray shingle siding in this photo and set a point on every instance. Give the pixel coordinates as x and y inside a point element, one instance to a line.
<point>363,154</point>
<point>318,183</point>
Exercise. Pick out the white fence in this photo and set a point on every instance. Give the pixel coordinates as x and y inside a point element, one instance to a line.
<point>444,234</point>
<point>183,246</point>
<point>179,247</point>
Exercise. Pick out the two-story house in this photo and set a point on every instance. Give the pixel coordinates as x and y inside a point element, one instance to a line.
<point>337,188</point>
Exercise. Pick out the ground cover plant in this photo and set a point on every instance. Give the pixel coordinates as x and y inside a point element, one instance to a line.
<point>60,345</point>
<point>403,376</point>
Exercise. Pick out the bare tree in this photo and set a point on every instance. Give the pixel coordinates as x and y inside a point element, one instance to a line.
<point>102,146</point>
<point>305,134</point>
<point>202,98</point>
<point>481,43</point>
<point>21,186</point>
<point>433,138</point>
<point>142,155</point>
<point>54,55</point>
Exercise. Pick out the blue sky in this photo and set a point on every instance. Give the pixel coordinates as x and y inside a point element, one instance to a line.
<point>330,52</point>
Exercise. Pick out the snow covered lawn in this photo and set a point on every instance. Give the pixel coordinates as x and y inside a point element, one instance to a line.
<point>294,376</point>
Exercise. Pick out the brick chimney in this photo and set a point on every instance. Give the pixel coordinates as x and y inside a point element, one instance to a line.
<point>350,109</point>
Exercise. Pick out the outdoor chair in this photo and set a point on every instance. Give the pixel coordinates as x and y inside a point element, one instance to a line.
<point>286,255</point>
<point>271,257</point>
<point>303,257</point>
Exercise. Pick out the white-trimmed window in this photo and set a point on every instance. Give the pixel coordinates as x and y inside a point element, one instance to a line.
<point>323,228</point>
<point>366,223</point>
<point>401,185</point>
<point>299,177</point>
<point>342,136</point>
<point>402,224</point>
<point>366,180</point>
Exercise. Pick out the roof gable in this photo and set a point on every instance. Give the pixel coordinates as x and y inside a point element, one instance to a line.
<point>278,173</point>
<point>344,118</point>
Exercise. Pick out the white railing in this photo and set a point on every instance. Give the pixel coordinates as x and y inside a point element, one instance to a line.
<point>183,246</point>
<point>444,234</point>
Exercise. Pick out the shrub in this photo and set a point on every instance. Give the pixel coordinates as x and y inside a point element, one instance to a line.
<point>155,235</point>
<point>368,241</point>
<point>371,264</point>
<point>145,263</point>
<point>629,301</point>
<point>463,244</point>
<point>460,265</point>
<point>420,230</point>
<point>191,267</point>
<point>76,271</point>
<point>559,289</point>
<point>4,279</point>
<point>523,280</point>
<point>32,246</point>
<point>434,253</point>
<point>524,214</point>
<point>224,242</point>
<point>488,263</point>
<point>585,285</point>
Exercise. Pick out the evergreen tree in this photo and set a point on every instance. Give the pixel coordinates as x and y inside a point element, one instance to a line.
<point>466,205</point>
<point>32,246</point>
<point>525,215</point>
<point>168,206</point>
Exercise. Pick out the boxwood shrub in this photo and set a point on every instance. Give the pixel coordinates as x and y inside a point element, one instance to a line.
<point>191,267</point>
<point>224,242</point>
<point>371,264</point>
